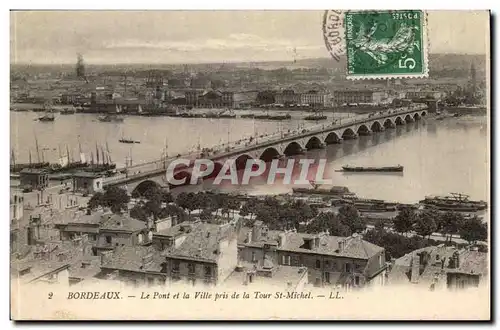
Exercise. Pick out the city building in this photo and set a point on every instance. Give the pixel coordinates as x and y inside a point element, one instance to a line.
<point>341,97</point>
<point>16,209</point>
<point>87,183</point>
<point>441,267</point>
<point>331,260</point>
<point>268,276</point>
<point>31,178</point>
<point>287,96</point>
<point>122,230</point>
<point>424,94</point>
<point>203,254</point>
<point>81,223</point>
<point>315,98</point>
<point>135,266</point>
<point>37,271</point>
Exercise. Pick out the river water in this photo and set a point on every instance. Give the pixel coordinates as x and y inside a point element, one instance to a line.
<point>439,156</point>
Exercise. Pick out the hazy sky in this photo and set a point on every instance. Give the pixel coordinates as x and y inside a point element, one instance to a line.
<point>210,36</point>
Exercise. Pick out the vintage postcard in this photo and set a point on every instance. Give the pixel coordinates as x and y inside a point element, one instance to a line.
<point>250,165</point>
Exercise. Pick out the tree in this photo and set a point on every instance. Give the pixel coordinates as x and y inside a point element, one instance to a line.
<point>137,212</point>
<point>425,225</point>
<point>379,225</point>
<point>404,220</point>
<point>449,222</point>
<point>96,200</point>
<point>473,230</point>
<point>328,221</point>
<point>116,198</point>
<point>349,216</point>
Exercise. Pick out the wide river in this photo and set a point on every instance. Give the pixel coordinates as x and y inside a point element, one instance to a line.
<point>439,157</point>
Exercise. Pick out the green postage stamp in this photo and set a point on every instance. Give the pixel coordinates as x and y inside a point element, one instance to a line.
<point>379,44</point>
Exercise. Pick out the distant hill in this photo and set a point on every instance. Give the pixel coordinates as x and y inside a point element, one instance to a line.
<point>441,65</point>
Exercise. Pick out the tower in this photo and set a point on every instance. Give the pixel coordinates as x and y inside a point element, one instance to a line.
<point>473,77</point>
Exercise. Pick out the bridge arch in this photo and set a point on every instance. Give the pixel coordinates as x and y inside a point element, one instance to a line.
<point>376,126</point>
<point>348,133</point>
<point>293,148</point>
<point>416,116</point>
<point>217,167</point>
<point>314,143</point>
<point>269,153</point>
<point>363,130</point>
<point>408,118</point>
<point>333,137</point>
<point>388,123</point>
<point>399,120</point>
<point>144,186</point>
<point>241,161</point>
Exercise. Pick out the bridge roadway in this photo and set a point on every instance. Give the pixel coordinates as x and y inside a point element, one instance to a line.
<point>158,167</point>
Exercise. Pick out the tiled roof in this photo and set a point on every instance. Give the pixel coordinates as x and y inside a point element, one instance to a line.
<point>354,247</point>
<point>81,217</point>
<point>470,262</point>
<point>38,268</point>
<point>123,222</point>
<point>280,276</point>
<point>202,243</point>
<point>174,231</point>
<point>131,258</point>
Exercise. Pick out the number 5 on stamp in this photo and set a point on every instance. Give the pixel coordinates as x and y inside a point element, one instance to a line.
<point>386,44</point>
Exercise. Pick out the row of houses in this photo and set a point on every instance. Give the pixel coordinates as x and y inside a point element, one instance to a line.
<point>164,252</point>
<point>115,247</point>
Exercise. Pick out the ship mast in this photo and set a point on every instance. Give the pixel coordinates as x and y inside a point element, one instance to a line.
<point>37,149</point>
<point>97,153</point>
<point>13,157</point>
<point>109,153</point>
<point>67,153</point>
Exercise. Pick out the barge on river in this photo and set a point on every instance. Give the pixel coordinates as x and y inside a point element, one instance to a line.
<point>454,202</point>
<point>348,168</point>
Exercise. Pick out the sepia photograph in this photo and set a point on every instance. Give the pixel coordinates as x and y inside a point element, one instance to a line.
<point>250,165</point>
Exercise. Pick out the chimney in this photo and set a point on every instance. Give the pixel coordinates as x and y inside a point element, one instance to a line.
<point>249,237</point>
<point>256,231</point>
<point>456,258</point>
<point>281,240</point>
<point>341,245</point>
<point>415,268</point>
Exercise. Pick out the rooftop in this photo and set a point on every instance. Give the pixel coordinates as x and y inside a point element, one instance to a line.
<point>80,217</point>
<point>438,262</point>
<point>87,175</point>
<point>134,258</point>
<point>33,171</point>
<point>277,276</point>
<point>353,246</point>
<point>122,222</point>
<point>201,243</point>
<point>31,270</point>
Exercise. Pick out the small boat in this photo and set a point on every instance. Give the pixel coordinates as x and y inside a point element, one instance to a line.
<point>250,115</point>
<point>68,111</point>
<point>47,118</point>
<point>110,119</point>
<point>124,140</point>
<point>316,116</point>
<point>348,168</point>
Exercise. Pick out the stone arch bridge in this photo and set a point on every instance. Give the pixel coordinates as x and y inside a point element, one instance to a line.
<point>285,144</point>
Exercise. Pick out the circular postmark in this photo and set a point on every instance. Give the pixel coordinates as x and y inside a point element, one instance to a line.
<point>334,33</point>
